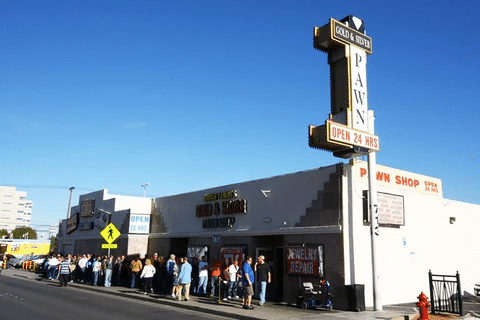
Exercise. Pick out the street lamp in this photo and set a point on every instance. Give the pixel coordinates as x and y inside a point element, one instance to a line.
<point>69,201</point>
<point>145,189</point>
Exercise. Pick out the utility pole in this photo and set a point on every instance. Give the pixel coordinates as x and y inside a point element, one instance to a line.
<point>374,228</point>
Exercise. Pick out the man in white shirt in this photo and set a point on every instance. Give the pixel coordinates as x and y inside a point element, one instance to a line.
<point>97,268</point>
<point>202,276</point>
<point>82,262</point>
<point>232,284</point>
<point>52,268</point>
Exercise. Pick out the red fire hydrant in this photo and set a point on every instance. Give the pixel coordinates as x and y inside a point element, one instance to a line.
<point>423,306</point>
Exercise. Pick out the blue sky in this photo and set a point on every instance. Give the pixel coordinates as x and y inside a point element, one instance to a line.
<point>188,95</point>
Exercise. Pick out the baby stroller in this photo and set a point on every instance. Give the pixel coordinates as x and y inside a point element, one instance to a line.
<point>312,297</point>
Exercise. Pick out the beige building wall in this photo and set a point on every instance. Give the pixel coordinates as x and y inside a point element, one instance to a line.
<point>15,208</point>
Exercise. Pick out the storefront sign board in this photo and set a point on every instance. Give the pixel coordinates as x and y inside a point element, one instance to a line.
<point>139,223</point>
<point>344,135</point>
<point>304,260</point>
<point>347,35</point>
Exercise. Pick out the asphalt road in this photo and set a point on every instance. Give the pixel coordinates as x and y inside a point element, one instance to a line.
<point>22,299</point>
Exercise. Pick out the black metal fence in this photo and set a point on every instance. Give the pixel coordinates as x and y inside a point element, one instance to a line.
<point>445,293</point>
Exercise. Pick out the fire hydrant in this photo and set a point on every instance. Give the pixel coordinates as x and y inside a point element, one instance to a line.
<point>423,306</point>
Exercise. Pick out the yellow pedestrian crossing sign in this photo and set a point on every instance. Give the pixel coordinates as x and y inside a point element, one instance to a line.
<point>110,233</point>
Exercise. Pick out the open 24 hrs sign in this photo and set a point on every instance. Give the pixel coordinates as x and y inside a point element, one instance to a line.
<point>340,134</point>
<point>139,223</point>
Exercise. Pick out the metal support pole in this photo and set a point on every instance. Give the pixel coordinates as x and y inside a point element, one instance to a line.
<point>374,229</point>
<point>220,289</point>
<point>459,295</point>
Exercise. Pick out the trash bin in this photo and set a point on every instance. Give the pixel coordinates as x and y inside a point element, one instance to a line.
<point>356,297</point>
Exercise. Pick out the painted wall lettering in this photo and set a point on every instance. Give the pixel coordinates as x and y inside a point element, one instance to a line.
<point>393,178</point>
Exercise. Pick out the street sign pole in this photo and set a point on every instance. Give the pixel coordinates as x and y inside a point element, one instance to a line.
<point>374,228</point>
<point>110,233</point>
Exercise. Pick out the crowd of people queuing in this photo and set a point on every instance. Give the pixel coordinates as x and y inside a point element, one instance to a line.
<point>177,277</point>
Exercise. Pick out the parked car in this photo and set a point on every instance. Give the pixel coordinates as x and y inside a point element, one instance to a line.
<point>16,261</point>
<point>20,261</point>
<point>39,260</point>
<point>11,260</point>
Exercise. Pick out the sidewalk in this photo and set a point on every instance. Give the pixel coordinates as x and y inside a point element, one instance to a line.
<point>233,308</point>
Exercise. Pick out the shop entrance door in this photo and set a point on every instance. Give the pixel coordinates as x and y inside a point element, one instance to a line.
<point>274,259</point>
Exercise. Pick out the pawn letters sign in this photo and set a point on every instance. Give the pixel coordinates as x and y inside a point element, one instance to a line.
<point>358,85</point>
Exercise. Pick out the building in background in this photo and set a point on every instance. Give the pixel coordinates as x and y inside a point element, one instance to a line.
<point>15,208</point>
<point>80,233</point>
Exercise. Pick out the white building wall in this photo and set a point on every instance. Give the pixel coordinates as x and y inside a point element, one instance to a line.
<point>427,241</point>
<point>137,205</point>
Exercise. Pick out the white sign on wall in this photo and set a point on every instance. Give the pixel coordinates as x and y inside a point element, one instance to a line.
<point>390,209</point>
<point>139,223</point>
